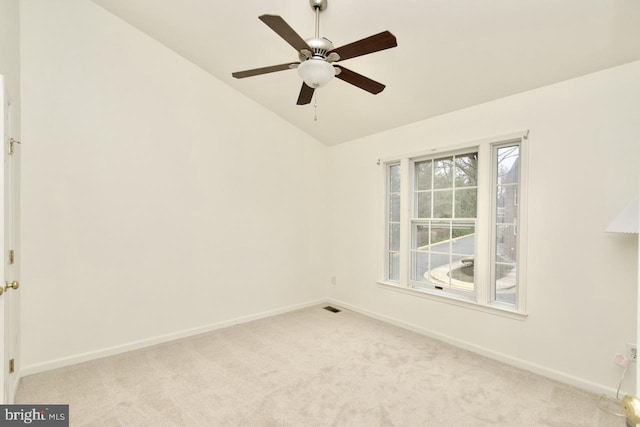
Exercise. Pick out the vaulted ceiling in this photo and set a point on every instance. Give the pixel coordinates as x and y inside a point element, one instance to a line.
<point>451,54</point>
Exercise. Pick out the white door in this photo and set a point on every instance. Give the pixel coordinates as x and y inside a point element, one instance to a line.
<point>9,224</point>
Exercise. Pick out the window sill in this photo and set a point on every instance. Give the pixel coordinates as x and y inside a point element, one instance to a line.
<point>455,300</point>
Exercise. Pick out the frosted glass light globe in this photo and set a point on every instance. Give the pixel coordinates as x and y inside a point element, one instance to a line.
<point>316,72</point>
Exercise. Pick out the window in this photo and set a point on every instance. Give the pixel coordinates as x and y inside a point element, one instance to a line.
<point>462,236</point>
<point>393,223</point>
<point>506,159</point>
<point>443,222</point>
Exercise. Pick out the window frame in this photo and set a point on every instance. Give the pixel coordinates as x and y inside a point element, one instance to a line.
<point>388,220</point>
<point>482,298</point>
<point>413,219</point>
<point>494,223</point>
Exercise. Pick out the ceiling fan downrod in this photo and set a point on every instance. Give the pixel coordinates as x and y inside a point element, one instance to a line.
<point>318,6</point>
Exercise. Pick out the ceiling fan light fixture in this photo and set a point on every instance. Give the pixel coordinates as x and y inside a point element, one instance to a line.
<point>316,72</point>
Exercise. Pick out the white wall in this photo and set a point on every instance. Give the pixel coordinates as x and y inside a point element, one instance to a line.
<point>156,199</point>
<point>584,146</point>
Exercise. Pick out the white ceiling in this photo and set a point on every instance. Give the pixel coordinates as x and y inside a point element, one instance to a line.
<point>451,54</point>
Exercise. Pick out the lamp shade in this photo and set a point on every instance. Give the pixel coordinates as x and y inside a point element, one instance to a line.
<point>627,220</point>
<point>316,72</point>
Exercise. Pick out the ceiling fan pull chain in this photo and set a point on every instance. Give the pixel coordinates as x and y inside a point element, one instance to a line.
<point>315,106</point>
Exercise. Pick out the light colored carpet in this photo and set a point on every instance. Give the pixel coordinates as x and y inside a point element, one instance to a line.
<point>310,368</point>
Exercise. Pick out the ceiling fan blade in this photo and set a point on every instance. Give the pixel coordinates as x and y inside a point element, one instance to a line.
<point>375,43</point>
<point>306,94</point>
<point>280,26</point>
<point>263,70</point>
<point>359,80</point>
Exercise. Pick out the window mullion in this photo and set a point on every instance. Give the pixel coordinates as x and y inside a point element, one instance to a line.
<point>483,226</point>
<point>406,213</point>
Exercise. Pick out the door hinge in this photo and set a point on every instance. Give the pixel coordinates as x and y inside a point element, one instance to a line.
<point>12,365</point>
<point>11,144</point>
<point>12,256</point>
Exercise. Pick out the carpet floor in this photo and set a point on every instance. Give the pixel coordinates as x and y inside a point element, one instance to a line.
<point>310,368</point>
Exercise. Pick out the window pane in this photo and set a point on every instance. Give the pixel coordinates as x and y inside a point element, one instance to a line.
<point>420,263</point>
<point>506,283</point>
<point>507,204</point>
<point>423,205</point>
<point>467,170</point>
<point>466,205</point>
<point>440,273</point>
<point>446,263</point>
<point>394,266</point>
<point>507,161</point>
<point>421,237</point>
<point>394,208</point>
<point>439,260</point>
<point>506,243</point>
<point>394,237</point>
<point>505,271</point>
<point>443,173</point>
<point>442,203</point>
<point>440,236</point>
<point>500,202</point>
<point>423,175</point>
<point>464,238</point>
<point>462,272</point>
<point>394,178</point>
<point>508,164</point>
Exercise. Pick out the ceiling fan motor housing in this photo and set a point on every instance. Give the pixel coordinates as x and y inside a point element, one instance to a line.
<point>320,46</point>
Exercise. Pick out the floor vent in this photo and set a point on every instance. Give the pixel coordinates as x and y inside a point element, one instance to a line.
<point>332,309</point>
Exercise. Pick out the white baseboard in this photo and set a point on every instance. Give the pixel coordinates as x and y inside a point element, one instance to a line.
<point>123,348</point>
<point>501,357</point>
<point>544,371</point>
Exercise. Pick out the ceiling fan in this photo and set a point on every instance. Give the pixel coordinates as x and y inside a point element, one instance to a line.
<point>317,54</point>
